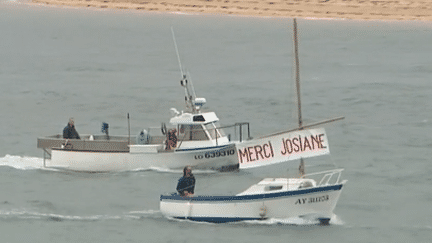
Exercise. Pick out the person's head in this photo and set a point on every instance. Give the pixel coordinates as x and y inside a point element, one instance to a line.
<point>187,171</point>
<point>71,121</point>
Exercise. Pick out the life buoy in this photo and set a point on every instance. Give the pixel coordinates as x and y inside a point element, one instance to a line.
<point>163,128</point>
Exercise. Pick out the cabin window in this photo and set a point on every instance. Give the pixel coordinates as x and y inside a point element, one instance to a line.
<point>273,188</point>
<point>220,130</point>
<point>192,133</point>
<point>212,130</point>
<point>199,118</point>
<point>197,133</point>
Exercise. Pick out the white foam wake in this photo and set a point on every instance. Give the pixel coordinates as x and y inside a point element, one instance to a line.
<point>25,215</point>
<point>22,163</point>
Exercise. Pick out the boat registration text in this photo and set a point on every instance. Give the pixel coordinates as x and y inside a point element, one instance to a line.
<point>312,199</point>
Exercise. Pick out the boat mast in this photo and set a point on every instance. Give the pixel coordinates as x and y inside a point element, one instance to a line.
<point>297,77</point>
<point>184,82</point>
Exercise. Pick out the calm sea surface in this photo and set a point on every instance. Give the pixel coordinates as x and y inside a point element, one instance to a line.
<point>99,65</point>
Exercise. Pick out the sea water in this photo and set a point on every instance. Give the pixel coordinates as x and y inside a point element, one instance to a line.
<point>98,65</point>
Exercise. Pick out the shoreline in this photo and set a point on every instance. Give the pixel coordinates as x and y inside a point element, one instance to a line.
<point>420,10</point>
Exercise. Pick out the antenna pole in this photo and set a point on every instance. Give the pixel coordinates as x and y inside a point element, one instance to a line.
<point>178,55</point>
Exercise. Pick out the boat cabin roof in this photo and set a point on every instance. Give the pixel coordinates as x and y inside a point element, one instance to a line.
<point>191,119</point>
<point>272,185</point>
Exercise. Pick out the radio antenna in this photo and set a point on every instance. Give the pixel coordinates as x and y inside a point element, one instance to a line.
<point>178,55</point>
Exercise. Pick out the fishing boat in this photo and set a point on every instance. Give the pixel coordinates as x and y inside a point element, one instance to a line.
<point>308,195</point>
<point>192,138</point>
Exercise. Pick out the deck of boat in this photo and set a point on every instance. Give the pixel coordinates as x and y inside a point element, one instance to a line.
<point>92,143</point>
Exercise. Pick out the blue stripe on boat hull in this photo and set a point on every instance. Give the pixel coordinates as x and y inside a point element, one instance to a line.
<point>204,148</point>
<point>218,219</point>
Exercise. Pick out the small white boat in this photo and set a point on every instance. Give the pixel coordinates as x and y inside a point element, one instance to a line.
<point>270,198</point>
<point>278,198</point>
<point>199,141</point>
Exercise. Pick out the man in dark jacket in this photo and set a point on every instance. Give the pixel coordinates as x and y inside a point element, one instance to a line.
<point>69,131</point>
<point>186,184</point>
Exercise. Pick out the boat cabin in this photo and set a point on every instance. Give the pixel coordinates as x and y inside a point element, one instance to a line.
<point>272,185</point>
<point>198,130</point>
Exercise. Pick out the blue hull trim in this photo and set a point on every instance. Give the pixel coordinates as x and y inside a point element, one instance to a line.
<point>221,220</point>
<point>218,219</point>
<point>177,197</point>
<point>204,148</point>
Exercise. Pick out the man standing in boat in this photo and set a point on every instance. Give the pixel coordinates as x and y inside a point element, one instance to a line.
<point>186,184</point>
<point>69,131</point>
<point>171,142</point>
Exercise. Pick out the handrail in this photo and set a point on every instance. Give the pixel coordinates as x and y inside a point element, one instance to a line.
<point>328,175</point>
<point>240,125</point>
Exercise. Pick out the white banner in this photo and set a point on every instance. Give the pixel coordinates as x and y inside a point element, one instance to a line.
<point>282,147</point>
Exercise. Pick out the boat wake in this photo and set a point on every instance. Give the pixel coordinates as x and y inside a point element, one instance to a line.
<point>295,221</point>
<point>22,214</point>
<point>29,215</point>
<point>334,220</point>
<point>22,163</point>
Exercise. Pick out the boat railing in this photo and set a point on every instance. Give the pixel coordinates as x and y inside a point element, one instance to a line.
<point>327,176</point>
<point>238,130</point>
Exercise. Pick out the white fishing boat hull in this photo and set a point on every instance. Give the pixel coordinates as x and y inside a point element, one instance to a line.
<point>142,157</point>
<point>258,204</point>
<point>317,201</point>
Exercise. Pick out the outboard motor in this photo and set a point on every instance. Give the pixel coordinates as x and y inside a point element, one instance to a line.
<point>105,129</point>
<point>143,137</point>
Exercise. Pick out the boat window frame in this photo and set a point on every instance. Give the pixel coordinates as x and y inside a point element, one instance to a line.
<point>192,132</point>
<point>218,131</point>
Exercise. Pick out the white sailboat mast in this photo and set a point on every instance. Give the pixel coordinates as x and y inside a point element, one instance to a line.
<point>297,77</point>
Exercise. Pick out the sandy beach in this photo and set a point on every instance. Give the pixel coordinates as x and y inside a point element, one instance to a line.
<point>345,9</point>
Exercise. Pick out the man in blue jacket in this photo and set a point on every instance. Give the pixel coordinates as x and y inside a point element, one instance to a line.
<point>69,131</point>
<point>186,184</point>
